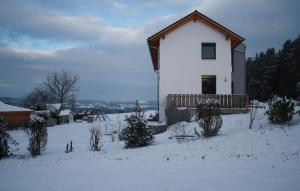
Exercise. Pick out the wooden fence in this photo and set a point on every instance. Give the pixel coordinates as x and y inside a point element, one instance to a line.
<point>191,100</point>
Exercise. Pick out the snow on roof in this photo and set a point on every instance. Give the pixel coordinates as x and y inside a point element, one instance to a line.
<point>10,108</point>
<point>54,105</point>
<point>65,112</point>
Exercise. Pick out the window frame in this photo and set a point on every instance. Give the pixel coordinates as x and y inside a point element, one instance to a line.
<point>208,44</point>
<point>208,77</point>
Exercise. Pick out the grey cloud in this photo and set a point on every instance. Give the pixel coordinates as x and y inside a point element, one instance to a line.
<point>102,75</point>
<point>38,22</point>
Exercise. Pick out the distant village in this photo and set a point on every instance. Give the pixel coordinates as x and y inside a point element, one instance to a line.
<point>84,110</point>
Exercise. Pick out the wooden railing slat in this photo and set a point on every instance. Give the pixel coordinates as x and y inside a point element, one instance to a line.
<point>192,100</point>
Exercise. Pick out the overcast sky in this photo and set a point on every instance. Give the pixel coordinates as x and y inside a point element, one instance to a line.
<point>104,42</point>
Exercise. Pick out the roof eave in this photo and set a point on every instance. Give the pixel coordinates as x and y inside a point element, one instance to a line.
<point>154,62</point>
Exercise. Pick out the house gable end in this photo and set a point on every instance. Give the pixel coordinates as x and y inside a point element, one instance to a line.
<point>154,40</point>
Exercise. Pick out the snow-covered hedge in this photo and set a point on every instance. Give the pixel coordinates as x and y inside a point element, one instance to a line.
<point>280,110</point>
<point>209,117</point>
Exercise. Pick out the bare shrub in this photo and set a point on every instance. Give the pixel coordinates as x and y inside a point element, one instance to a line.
<point>69,147</point>
<point>253,110</point>
<point>178,129</point>
<point>95,139</point>
<point>37,133</point>
<point>182,132</point>
<point>120,124</point>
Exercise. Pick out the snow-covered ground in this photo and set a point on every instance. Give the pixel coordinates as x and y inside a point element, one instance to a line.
<point>264,158</point>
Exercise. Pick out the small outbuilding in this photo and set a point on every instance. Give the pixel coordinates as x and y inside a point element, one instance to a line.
<point>15,116</point>
<point>66,116</point>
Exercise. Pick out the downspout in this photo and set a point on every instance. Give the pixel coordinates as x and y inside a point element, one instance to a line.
<point>158,77</point>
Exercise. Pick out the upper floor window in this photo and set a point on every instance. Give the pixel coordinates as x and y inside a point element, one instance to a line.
<point>208,50</point>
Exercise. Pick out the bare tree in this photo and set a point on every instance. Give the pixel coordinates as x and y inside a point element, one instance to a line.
<point>37,99</point>
<point>62,86</point>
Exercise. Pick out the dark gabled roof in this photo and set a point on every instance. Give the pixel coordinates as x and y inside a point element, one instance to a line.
<point>153,41</point>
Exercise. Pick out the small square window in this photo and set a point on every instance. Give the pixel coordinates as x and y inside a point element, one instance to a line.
<point>208,50</point>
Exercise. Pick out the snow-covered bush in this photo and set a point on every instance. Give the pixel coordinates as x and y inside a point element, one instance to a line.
<point>5,139</point>
<point>136,134</point>
<point>37,133</point>
<point>4,136</point>
<point>209,117</point>
<point>280,110</point>
<point>95,139</point>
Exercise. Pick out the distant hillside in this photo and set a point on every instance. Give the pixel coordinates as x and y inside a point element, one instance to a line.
<point>114,106</point>
<point>106,106</point>
<point>12,101</point>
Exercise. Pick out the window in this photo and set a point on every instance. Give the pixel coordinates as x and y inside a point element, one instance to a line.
<point>208,50</point>
<point>209,84</point>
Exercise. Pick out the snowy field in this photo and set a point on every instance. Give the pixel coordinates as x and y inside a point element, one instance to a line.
<point>264,158</point>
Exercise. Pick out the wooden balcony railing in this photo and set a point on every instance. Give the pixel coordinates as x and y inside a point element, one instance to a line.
<point>191,100</point>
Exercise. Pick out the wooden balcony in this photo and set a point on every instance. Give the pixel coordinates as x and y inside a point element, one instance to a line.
<point>230,103</point>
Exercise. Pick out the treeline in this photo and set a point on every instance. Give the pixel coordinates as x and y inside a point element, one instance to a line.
<point>271,72</point>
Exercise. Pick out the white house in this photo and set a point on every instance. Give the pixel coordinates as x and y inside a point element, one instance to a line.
<point>194,56</point>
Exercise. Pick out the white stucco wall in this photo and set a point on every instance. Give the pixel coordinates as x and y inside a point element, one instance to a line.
<point>181,65</point>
